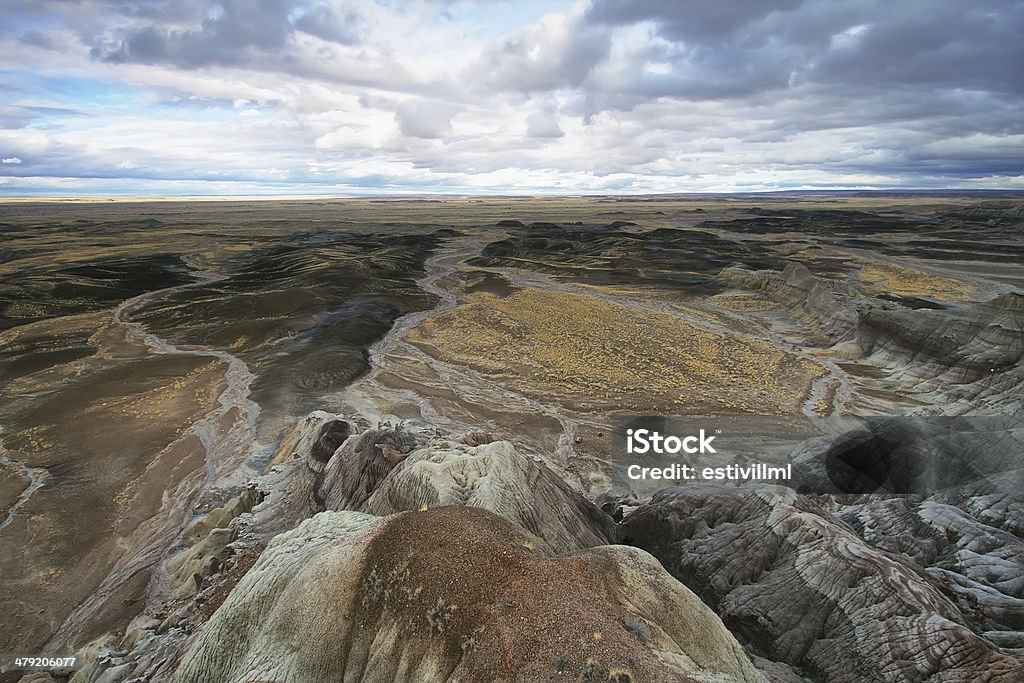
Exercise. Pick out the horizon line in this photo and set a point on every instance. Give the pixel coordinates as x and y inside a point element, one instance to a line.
<point>89,198</point>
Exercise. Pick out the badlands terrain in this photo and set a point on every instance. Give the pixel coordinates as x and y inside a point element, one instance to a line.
<point>374,439</point>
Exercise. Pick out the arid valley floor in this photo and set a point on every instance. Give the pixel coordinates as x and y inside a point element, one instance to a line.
<point>184,385</point>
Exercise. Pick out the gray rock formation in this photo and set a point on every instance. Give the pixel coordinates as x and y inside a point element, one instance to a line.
<point>797,585</point>
<point>479,563</point>
<point>971,354</point>
<point>384,471</point>
<point>456,594</point>
<point>966,358</point>
<point>495,477</point>
<point>357,468</point>
<point>995,212</point>
<point>979,564</point>
<point>332,434</point>
<point>811,300</point>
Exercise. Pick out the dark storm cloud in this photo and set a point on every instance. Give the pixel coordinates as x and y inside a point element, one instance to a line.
<point>245,33</point>
<point>15,117</point>
<point>163,11</point>
<point>718,49</point>
<point>424,119</point>
<point>734,47</point>
<point>229,35</point>
<point>155,10</point>
<point>690,20</point>
<point>966,45</point>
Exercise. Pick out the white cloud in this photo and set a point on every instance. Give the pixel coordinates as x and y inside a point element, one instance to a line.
<point>543,124</point>
<point>577,96</point>
<point>425,119</point>
<point>11,160</point>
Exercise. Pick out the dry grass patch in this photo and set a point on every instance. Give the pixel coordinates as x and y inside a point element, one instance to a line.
<point>743,302</point>
<point>598,355</point>
<point>889,278</point>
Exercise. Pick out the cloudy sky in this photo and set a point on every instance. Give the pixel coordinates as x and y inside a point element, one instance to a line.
<point>432,96</point>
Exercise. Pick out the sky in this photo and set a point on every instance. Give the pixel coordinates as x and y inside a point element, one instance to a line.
<point>335,97</point>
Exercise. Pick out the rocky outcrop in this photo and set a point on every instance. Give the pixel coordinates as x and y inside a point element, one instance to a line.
<point>323,464</point>
<point>980,565</point>
<point>811,300</point>
<point>295,468</point>
<point>798,585</point>
<point>332,434</point>
<point>387,470</point>
<point>995,212</point>
<point>497,478</point>
<point>456,594</point>
<point>978,338</point>
<point>305,435</point>
<point>972,353</point>
<point>448,560</point>
<point>967,357</point>
<point>358,467</point>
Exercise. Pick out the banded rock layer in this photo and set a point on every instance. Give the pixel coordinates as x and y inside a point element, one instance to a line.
<point>384,471</point>
<point>458,594</point>
<point>971,354</point>
<point>968,358</point>
<point>810,299</point>
<point>799,586</point>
